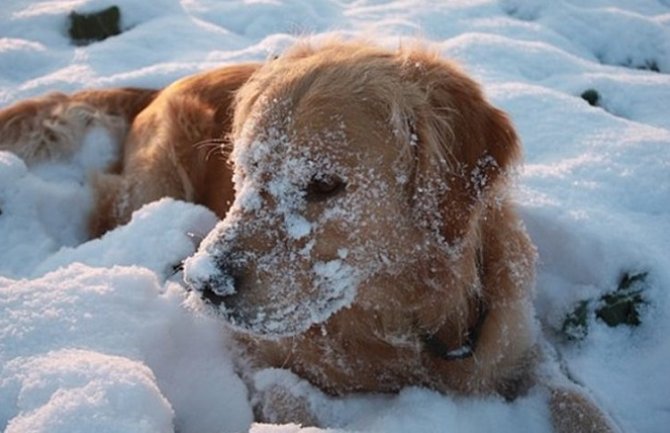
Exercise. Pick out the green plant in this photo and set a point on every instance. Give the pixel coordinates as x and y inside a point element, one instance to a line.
<point>591,96</point>
<point>619,307</point>
<point>96,26</point>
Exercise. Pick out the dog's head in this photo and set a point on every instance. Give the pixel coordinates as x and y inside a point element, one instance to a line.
<point>360,175</point>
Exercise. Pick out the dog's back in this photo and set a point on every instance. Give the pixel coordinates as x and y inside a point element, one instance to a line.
<point>168,141</point>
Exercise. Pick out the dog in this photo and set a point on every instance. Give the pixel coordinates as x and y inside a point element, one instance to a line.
<point>368,241</point>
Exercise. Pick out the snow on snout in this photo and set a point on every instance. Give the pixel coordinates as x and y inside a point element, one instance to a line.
<point>271,233</point>
<point>339,280</point>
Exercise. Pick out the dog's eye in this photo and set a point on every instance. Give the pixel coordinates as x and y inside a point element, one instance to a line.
<point>323,187</point>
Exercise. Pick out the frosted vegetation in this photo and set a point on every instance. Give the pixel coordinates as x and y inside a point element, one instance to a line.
<point>100,336</point>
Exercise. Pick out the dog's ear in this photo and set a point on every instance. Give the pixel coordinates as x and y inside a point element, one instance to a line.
<point>462,145</point>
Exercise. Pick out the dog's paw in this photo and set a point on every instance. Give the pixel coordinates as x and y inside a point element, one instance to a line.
<point>572,411</point>
<point>281,397</point>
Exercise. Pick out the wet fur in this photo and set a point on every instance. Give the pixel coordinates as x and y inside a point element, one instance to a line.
<point>444,133</point>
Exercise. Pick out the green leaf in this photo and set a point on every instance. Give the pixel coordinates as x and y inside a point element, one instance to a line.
<point>623,306</point>
<point>620,307</point>
<point>575,325</point>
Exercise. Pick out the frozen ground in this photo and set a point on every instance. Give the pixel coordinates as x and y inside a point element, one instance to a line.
<point>94,337</point>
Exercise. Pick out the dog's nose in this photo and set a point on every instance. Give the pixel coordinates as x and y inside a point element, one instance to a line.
<point>210,276</point>
<point>217,290</point>
<point>211,296</point>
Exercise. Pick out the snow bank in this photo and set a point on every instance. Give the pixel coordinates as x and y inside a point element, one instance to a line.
<point>88,347</point>
<point>94,336</point>
<point>65,390</point>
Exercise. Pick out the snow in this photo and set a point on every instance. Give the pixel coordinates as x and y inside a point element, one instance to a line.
<point>100,335</point>
<point>60,388</point>
<point>413,409</point>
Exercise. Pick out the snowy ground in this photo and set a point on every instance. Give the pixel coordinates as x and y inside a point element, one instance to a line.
<point>94,336</point>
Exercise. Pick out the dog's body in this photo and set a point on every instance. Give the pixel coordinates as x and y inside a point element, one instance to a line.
<point>168,141</point>
<point>368,242</point>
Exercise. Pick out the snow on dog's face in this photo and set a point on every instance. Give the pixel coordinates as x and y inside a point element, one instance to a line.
<point>337,190</point>
<point>316,215</point>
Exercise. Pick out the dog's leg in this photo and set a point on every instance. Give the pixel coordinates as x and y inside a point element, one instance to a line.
<point>117,196</point>
<point>162,158</point>
<point>53,126</point>
<point>281,397</point>
<point>573,411</point>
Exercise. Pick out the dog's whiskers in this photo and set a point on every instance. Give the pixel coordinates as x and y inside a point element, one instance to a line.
<point>215,146</point>
<point>290,352</point>
<point>197,236</point>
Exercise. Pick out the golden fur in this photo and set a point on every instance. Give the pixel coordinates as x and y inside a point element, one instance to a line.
<point>169,140</point>
<point>394,166</point>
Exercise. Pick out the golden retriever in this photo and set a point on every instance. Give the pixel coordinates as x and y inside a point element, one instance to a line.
<point>368,242</point>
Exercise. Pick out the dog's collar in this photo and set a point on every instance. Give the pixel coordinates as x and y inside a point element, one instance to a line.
<point>435,346</point>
